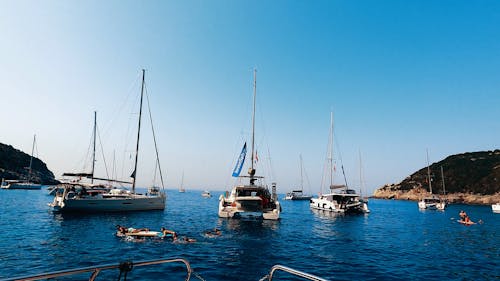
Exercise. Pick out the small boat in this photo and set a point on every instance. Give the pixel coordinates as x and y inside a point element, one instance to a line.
<point>496,208</point>
<point>253,200</point>
<point>341,199</point>
<point>182,189</point>
<point>206,194</point>
<point>298,194</point>
<point>23,184</point>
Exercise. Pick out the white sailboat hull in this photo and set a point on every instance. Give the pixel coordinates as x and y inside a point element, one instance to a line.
<point>23,185</point>
<point>346,204</point>
<point>132,202</point>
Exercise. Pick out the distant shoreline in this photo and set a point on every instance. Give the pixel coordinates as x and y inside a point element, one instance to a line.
<point>457,198</point>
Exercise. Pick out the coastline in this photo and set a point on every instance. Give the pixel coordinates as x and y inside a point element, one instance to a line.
<point>417,194</point>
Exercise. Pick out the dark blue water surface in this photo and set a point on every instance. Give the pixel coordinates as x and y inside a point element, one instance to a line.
<point>395,241</point>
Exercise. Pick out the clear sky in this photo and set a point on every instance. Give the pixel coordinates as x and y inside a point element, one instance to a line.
<point>400,76</point>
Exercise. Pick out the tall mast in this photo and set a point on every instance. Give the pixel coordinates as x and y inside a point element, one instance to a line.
<point>31,158</point>
<point>361,184</point>
<point>331,149</point>
<point>138,134</point>
<point>301,177</point>
<point>251,172</point>
<point>93,152</point>
<point>429,172</point>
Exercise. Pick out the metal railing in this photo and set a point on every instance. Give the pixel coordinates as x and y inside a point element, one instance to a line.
<point>124,267</point>
<point>292,271</point>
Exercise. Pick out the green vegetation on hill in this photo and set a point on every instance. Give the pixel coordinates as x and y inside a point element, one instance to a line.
<point>14,166</point>
<point>472,172</point>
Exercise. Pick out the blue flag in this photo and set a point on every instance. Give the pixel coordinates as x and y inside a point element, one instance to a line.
<point>241,160</point>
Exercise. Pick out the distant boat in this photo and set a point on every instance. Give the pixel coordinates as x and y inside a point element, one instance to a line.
<point>495,208</point>
<point>431,202</point>
<point>182,189</point>
<point>77,197</point>
<point>23,184</point>
<point>341,199</point>
<point>206,194</point>
<point>250,200</point>
<point>298,194</point>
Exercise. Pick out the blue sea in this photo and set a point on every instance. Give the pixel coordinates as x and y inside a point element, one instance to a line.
<point>395,241</point>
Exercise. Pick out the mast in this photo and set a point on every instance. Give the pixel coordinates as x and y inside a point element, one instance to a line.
<point>361,183</point>
<point>251,171</point>
<point>442,178</point>
<point>301,177</point>
<point>138,134</point>
<point>93,152</point>
<point>31,158</point>
<point>429,172</point>
<point>331,149</point>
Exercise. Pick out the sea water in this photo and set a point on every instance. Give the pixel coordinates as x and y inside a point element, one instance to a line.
<point>396,241</point>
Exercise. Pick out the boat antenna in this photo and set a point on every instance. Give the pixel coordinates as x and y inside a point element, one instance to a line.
<point>134,174</point>
<point>251,171</point>
<point>429,172</point>
<point>93,151</point>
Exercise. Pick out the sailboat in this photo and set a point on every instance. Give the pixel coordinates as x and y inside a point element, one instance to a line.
<point>299,193</point>
<point>115,200</point>
<point>441,205</point>
<point>250,200</point>
<point>431,201</point>
<point>341,199</point>
<point>23,184</point>
<point>182,189</point>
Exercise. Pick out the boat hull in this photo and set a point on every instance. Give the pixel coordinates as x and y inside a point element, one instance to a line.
<point>27,186</point>
<point>124,204</point>
<point>495,208</point>
<point>328,203</point>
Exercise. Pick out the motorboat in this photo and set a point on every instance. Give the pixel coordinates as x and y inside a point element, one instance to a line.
<point>206,194</point>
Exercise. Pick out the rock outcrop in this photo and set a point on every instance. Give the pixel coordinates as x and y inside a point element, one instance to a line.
<point>14,166</point>
<point>472,178</point>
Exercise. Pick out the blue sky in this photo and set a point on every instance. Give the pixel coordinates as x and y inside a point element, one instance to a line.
<point>400,76</point>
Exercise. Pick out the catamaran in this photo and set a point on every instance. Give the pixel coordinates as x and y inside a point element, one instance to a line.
<point>341,199</point>
<point>23,184</point>
<point>253,199</point>
<point>78,197</point>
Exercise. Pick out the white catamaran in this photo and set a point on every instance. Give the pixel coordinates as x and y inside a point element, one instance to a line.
<point>23,184</point>
<point>341,199</point>
<point>252,200</point>
<point>83,198</point>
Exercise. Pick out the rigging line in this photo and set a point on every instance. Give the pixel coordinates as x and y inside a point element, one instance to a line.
<point>154,136</point>
<point>102,152</point>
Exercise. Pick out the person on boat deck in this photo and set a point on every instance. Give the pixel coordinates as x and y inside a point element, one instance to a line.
<point>166,232</point>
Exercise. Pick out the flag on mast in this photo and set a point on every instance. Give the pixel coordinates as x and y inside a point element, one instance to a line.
<point>241,160</point>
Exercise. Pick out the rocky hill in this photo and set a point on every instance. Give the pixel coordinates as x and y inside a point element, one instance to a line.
<point>14,166</point>
<point>472,177</point>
